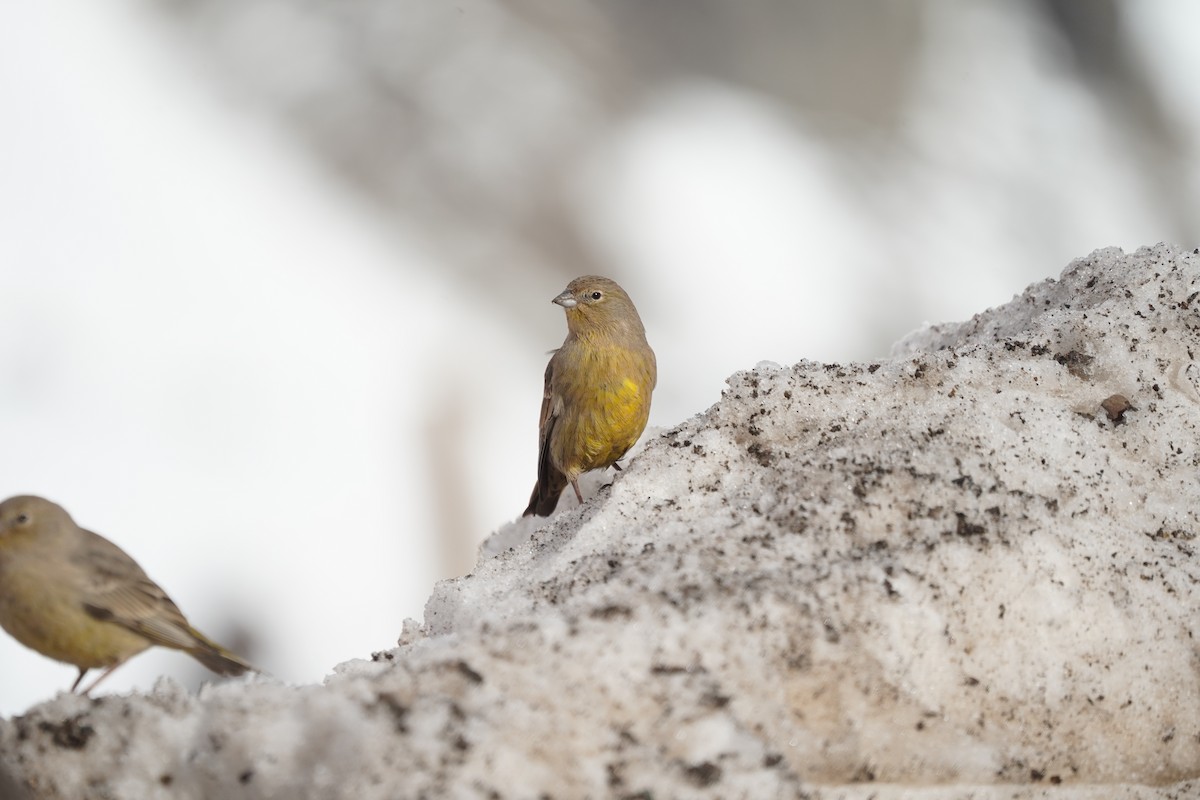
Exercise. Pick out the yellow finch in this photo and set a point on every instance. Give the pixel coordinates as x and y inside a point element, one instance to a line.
<point>598,387</point>
<point>76,597</point>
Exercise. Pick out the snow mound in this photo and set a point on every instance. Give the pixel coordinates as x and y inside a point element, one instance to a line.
<point>969,570</point>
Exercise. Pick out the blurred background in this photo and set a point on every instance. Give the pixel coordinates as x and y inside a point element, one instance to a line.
<point>276,274</point>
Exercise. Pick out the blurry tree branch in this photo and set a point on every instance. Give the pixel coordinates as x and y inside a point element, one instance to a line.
<point>466,120</point>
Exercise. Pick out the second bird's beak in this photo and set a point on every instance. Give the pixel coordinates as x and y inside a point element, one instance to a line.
<point>566,300</point>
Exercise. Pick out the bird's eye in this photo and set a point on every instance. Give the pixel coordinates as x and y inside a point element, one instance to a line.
<point>22,519</point>
<point>596,295</point>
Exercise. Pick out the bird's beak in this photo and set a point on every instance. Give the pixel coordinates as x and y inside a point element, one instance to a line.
<point>566,300</point>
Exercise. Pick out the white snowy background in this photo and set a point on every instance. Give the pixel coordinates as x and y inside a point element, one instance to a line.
<point>296,416</point>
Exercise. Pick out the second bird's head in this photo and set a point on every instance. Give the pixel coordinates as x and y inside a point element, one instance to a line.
<point>25,517</point>
<point>595,304</point>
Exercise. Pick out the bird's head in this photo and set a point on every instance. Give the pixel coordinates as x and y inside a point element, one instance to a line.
<point>598,305</point>
<point>24,516</point>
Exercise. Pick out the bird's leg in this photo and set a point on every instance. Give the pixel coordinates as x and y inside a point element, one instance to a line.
<point>108,671</point>
<point>617,467</point>
<point>578,494</point>
<point>82,671</point>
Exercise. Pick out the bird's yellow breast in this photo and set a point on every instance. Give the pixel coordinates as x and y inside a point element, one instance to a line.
<point>41,610</point>
<point>603,414</point>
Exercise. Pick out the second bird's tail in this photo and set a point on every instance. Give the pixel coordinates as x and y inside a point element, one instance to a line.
<point>217,658</point>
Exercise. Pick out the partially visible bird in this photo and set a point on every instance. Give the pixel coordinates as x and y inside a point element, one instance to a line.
<point>597,394</point>
<point>76,597</point>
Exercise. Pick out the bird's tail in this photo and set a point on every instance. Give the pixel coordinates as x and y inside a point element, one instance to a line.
<point>545,495</point>
<point>217,658</point>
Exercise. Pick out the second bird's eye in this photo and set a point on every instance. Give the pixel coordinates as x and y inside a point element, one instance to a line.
<point>596,295</point>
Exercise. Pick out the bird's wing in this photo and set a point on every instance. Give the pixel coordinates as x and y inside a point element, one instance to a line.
<point>546,420</point>
<point>119,591</point>
<point>550,481</point>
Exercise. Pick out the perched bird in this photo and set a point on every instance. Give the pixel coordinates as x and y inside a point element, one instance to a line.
<point>598,386</point>
<point>76,597</point>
